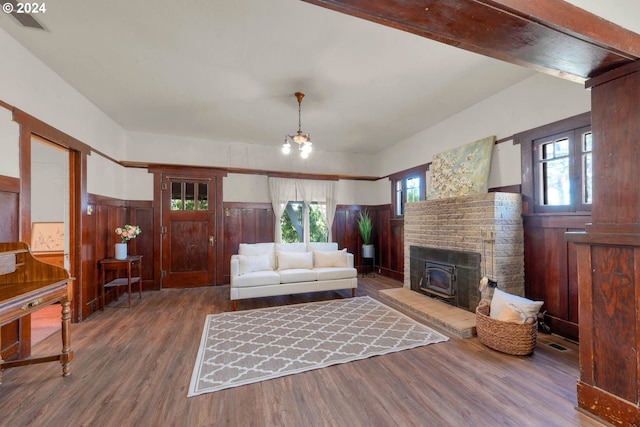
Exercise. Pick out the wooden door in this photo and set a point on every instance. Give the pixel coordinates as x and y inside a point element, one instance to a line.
<point>188,233</point>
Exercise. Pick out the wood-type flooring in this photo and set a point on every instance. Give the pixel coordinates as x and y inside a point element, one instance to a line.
<point>132,368</point>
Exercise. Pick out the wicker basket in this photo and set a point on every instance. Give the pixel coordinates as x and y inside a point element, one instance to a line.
<point>511,338</point>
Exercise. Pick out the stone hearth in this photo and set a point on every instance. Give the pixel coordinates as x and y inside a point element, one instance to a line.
<point>489,224</point>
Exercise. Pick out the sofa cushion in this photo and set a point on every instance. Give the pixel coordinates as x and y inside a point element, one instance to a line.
<point>322,246</point>
<point>330,259</point>
<point>334,273</point>
<point>251,263</point>
<point>257,278</point>
<point>298,275</point>
<point>291,260</point>
<point>259,249</point>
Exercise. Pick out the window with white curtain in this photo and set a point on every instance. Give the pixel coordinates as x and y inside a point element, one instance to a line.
<point>293,219</point>
<point>305,209</point>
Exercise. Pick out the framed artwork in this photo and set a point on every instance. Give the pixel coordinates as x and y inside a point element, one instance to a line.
<point>47,236</point>
<point>461,171</point>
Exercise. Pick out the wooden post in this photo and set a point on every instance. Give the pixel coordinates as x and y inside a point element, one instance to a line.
<point>609,254</point>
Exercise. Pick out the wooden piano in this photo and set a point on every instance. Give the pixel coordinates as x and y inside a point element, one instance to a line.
<point>27,285</point>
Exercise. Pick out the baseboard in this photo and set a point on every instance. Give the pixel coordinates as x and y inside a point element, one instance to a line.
<point>607,406</point>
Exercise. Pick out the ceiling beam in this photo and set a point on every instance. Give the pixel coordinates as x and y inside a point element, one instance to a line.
<point>551,36</point>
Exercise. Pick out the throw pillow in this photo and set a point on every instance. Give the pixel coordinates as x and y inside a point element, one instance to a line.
<point>292,260</point>
<point>252,263</point>
<point>259,249</point>
<point>322,259</point>
<point>512,314</point>
<point>500,298</point>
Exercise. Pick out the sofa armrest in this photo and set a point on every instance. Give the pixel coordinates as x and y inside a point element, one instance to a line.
<point>235,267</point>
<point>349,260</point>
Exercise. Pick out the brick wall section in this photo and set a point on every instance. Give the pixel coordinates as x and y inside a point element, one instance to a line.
<point>465,223</point>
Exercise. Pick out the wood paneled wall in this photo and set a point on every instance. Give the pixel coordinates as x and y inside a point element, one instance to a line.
<point>245,223</point>
<point>107,214</point>
<point>551,268</point>
<point>254,223</point>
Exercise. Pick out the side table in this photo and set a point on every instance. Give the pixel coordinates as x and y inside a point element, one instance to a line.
<point>132,265</point>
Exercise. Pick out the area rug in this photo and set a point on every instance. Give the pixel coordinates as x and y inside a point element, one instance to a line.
<point>245,347</point>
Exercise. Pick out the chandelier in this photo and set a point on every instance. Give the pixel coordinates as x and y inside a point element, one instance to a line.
<point>302,139</point>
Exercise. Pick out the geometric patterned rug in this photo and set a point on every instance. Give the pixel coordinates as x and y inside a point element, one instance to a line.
<point>245,347</point>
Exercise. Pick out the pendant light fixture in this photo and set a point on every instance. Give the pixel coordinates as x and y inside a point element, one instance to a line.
<point>302,139</point>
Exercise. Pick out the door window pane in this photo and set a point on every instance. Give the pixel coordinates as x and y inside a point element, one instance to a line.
<point>184,195</point>
<point>203,196</point>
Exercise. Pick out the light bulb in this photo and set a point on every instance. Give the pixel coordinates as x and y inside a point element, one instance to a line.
<point>286,148</point>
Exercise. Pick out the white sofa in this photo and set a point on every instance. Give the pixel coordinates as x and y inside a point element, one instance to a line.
<point>268,269</point>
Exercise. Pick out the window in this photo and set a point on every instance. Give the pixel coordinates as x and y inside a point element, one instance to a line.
<point>563,171</point>
<point>408,186</point>
<point>292,222</point>
<point>189,196</point>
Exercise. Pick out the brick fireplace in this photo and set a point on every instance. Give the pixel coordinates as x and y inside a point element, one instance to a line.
<point>484,228</point>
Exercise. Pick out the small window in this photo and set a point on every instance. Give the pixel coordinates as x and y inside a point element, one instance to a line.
<point>563,171</point>
<point>408,189</point>
<point>189,196</point>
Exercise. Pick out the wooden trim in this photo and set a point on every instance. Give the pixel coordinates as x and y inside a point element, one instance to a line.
<point>25,183</point>
<point>46,131</point>
<point>538,35</point>
<point>625,70</point>
<point>9,184</point>
<point>567,220</point>
<point>105,200</point>
<point>246,205</point>
<point>106,156</point>
<point>516,188</point>
<point>607,406</point>
<point>163,168</point>
<point>6,106</point>
<point>564,125</point>
<point>420,169</point>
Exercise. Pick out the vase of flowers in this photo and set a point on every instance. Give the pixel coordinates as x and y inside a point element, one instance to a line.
<point>126,233</point>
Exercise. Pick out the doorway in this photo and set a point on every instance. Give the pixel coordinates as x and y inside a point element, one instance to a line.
<point>190,225</point>
<point>50,200</point>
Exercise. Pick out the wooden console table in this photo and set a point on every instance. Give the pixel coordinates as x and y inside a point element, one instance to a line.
<point>27,285</point>
<point>129,264</point>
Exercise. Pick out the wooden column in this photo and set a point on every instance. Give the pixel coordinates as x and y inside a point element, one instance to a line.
<point>609,254</point>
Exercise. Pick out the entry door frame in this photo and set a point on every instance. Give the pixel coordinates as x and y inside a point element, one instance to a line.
<point>216,176</point>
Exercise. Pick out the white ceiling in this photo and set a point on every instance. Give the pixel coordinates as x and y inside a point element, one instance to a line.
<point>227,70</point>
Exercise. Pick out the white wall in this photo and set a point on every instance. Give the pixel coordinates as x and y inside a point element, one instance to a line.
<point>31,86</point>
<point>26,83</point>
<point>49,183</point>
<point>147,147</point>
<point>534,102</point>
<point>255,189</point>
<point>9,146</point>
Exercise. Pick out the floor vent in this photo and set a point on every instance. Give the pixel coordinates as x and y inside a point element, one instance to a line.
<point>557,347</point>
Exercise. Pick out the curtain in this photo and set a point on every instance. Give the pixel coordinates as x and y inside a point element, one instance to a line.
<point>281,191</point>
<point>319,191</point>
